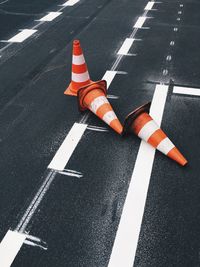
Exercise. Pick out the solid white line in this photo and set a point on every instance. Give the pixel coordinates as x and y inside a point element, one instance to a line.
<point>139,23</point>
<point>109,76</point>
<point>71,3</point>
<point>68,146</point>
<point>125,245</point>
<point>149,5</point>
<point>126,46</point>
<point>51,16</point>
<point>9,247</point>
<point>23,35</point>
<point>186,91</point>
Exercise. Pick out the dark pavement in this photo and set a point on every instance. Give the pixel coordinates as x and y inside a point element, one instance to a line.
<point>78,217</point>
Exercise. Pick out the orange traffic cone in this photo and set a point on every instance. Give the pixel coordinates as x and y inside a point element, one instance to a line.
<point>93,97</point>
<point>80,76</point>
<point>142,124</point>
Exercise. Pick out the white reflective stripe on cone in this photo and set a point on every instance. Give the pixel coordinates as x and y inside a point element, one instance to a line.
<point>165,146</point>
<point>109,117</point>
<point>97,103</point>
<point>80,77</point>
<point>147,130</point>
<point>78,60</point>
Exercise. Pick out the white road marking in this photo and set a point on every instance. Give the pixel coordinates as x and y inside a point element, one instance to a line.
<point>70,3</point>
<point>139,23</point>
<point>149,6</point>
<point>186,91</point>
<point>51,16</point>
<point>126,46</point>
<point>67,148</point>
<point>125,245</point>
<point>10,246</point>
<point>109,76</point>
<point>22,36</point>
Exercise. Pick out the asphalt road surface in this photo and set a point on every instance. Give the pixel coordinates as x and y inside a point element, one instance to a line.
<point>115,202</point>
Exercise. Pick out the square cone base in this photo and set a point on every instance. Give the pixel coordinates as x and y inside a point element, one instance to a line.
<point>69,92</point>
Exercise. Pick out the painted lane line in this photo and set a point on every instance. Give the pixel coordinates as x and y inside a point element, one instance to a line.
<point>126,46</point>
<point>139,23</point>
<point>149,6</point>
<point>22,36</point>
<point>10,246</point>
<point>51,16</point>
<point>186,91</point>
<point>71,3</point>
<point>68,146</point>
<point>126,240</point>
<point>109,76</point>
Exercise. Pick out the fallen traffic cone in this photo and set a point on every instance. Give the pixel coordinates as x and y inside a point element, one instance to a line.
<point>80,76</point>
<point>93,97</point>
<point>142,124</point>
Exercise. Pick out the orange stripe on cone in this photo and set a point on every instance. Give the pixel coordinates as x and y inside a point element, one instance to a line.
<point>93,97</point>
<point>80,75</point>
<point>143,125</point>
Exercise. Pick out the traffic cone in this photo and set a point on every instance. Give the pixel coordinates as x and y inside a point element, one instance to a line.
<point>142,124</point>
<point>80,76</point>
<point>93,97</point>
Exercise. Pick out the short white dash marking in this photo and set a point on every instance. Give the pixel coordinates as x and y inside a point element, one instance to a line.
<point>125,245</point>
<point>149,6</point>
<point>169,58</point>
<point>68,146</point>
<point>126,46</point>
<point>109,76</point>
<point>10,246</point>
<point>165,72</point>
<point>186,91</point>
<point>51,16</point>
<point>70,3</point>
<point>139,23</point>
<point>172,43</point>
<point>23,35</point>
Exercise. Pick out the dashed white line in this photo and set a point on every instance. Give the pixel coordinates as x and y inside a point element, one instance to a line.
<point>10,246</point>
<point>126,46</point>
<point>149,6</point>
<point>51,16</point>
<point>125,245</point>
<point>139,23</point>
<point>70,3</point>
<point>109,76</point>
<point>186,91</point>
<point>22,36</point>
<point>67,148</point>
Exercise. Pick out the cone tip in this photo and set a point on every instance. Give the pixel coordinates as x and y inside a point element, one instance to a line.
<point>76,42</point>
<point>184,162</point>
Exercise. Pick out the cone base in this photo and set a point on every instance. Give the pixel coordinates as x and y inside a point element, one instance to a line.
<point>73,89</point>
<point>68,91</point>
<point>133,115</point>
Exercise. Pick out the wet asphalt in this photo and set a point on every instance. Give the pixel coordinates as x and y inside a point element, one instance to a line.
<point>78,218</point>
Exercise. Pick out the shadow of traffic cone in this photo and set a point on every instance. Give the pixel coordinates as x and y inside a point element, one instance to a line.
<point>80,76</point>
<point>142,124</point>
<point>93,97</point>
